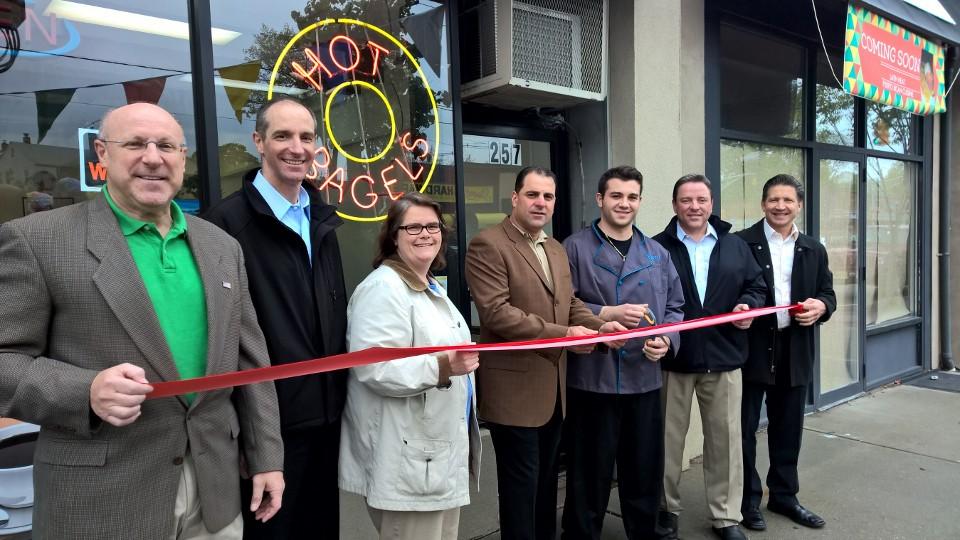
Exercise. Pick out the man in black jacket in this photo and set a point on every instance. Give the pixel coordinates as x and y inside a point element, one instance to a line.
<point>781,358</point>
<point>718,275</point>
<point>289,241</point>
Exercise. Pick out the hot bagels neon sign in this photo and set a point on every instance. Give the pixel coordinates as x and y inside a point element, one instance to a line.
<point>405,156</point>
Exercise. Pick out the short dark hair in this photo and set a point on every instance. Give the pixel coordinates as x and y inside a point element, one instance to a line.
<point>782,180</point>
<point>623,172</point>
<point>522,175</point>
<point>688,178</point>
<point>261,125</point>
<point>387,241</point>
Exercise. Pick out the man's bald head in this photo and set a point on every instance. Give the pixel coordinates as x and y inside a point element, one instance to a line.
<point>113,116</point>
<point>142,147</point>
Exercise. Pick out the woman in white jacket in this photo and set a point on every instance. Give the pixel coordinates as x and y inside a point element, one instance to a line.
<point>410,439</point>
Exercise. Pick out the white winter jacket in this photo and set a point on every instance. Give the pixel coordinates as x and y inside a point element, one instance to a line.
<point>407,445</point>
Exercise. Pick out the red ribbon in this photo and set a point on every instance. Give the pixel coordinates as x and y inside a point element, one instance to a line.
<point>381,354</point>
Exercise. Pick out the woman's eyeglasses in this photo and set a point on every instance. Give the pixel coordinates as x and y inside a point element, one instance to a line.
<point>417,228</point>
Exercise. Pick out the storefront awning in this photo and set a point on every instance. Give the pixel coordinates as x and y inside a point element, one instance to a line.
<point>921,21</point>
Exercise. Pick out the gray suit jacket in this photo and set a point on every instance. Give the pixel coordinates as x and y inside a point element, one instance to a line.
<point>72,303</point>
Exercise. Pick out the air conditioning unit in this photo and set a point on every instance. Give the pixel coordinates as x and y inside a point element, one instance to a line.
<point>517,54</point>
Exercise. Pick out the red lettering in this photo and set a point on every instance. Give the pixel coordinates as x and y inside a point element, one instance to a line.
<point>315,167</point>
<point>354,53</point>
<point>413,177</point>
<point>411,146</point>
<point>308,75</point>
<point>389,182</point>
<point>329,181</point>
<point>51,36</point>
<point>377,50</point>
<point>97,171</point>
<point>371,194</point>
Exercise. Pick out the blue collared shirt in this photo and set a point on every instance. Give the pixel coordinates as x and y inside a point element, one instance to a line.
<point>294,216</point>
<point>699,253</point>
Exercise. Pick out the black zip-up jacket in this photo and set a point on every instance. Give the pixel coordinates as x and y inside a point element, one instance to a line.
<point>302,310</point>
<point>734,278</point>
<point>810,278</point>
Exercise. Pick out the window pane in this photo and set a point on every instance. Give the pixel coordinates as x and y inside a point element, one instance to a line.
<point>835,108</point>
<point>891,240</point>
<point>379,87</point>
<point>490,167</point>
<point>72,68</point>
<point>744,168</point>
<point>839,340</point>
<point>890,129</point>
<point>761,84</point>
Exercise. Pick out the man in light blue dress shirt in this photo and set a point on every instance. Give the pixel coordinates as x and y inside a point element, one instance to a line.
<point>718,274</point>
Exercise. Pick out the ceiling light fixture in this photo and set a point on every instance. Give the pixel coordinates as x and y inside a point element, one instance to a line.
<point>127,20</point>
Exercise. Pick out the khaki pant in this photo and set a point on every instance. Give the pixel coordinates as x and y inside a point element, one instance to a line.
<point>188,514</point>
<point>436,525</point>
<point>719,395</point>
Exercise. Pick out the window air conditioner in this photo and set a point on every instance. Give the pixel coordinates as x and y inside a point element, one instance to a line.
<point>533,53</point>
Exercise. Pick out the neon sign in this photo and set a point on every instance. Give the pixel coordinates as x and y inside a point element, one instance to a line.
<point>41,34</point>
<point>343,65</point>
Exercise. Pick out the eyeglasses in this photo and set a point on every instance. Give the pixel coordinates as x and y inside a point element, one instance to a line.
<point>136,145</point>
<point>417,228</point>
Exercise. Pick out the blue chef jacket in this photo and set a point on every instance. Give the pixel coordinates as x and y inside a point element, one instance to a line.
<point>602,278</point>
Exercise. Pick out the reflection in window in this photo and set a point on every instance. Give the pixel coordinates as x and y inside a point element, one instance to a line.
<point>891,239</point>
<point>890,129</point>
<point>489,177</point>
<point>379,87</point>
<point>839,340</point>
<point>835,108</point>
<point>71,70</point>
<point>761,84</point>
<point>744,168</point>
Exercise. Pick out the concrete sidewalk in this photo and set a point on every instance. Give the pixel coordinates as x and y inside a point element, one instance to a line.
<point>884,466</point>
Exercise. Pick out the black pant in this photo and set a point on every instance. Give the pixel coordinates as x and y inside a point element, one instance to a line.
<point>527,478</point>
<point>785,406</point>
<point>311,499</point>
<point>603,429</point>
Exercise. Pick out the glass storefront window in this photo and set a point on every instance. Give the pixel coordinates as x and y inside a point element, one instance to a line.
<point>75,63</point>
<point>839,340</point>
<point>890,129</point>
<point>761,84</point>
<point>744,168</point>
<point>835,108</point>
<point>891,242</point>
<point>376,74</point>
<point>490,167</point>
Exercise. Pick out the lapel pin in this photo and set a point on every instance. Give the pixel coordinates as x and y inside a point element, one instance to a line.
<point>226,285</point>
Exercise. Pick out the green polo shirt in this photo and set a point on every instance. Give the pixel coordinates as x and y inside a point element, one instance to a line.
<point>173,282</point>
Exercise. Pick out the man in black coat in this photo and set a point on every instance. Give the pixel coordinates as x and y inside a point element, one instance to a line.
<point>289,241</point>
<point>781,358</point>
<point>718,274</point>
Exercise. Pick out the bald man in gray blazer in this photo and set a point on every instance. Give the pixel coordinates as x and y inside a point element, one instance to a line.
<point>91,297</point>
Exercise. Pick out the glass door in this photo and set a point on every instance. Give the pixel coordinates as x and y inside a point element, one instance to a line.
<point>839,208</point>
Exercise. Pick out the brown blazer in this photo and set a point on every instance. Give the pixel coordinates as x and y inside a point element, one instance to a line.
<point>515,303</point>
<point>72,303</point>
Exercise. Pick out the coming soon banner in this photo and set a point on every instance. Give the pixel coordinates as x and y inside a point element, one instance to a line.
<point>889,64</point>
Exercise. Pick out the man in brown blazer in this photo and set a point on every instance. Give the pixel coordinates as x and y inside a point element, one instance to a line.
<point>520,282</point>
<point>93,300</point>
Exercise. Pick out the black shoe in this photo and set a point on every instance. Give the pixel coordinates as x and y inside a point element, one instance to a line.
<point>731,532</point>
<point>667,525</point>
<point>753,519</point>
<point>798,514</point>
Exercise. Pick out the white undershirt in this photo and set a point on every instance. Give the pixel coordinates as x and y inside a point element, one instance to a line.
<point>781,256</point>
